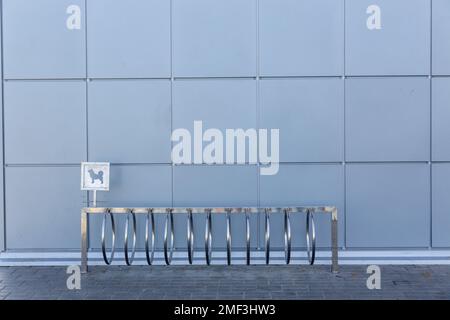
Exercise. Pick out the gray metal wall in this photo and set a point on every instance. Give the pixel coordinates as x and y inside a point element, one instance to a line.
<point>363,114</point>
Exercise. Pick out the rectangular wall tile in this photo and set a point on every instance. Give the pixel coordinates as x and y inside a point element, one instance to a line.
<point>219,104</point>
<point>43,207</point>
<point>401,45</point>
<point>388,205</point>
<point>214,38</point>
<point>45,122</point>
<point>310,116</point>
<point>129,121</point>
<point>441,39</point>
<point>387,119</point>
<point>301,37</point>
<point>41,40</point>
<point>129,39</point>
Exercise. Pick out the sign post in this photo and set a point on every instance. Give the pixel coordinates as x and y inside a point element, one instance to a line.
<point>95,177</point>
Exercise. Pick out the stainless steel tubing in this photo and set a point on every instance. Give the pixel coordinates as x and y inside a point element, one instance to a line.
<point>247,227</point>
<point>168,252</point>
<point>287,236</point>
<point>169,244</point>
<point>150,248</point>
<point>129,260</point>
<point>267,235</point>
<point>310,239</point>
<point>190,236</point>
<point>228,236</point>
<point>208,237</point>
<point>113,241</point>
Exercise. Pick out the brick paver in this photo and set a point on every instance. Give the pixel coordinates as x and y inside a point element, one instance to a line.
<point>226,282</point>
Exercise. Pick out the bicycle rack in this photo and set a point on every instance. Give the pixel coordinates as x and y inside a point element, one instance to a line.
<point>169,243</point>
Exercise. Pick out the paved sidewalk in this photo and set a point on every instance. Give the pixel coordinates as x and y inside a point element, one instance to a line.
<point>226,282</point>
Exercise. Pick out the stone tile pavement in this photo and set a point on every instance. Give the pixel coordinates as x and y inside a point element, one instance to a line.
<point>226,282</point>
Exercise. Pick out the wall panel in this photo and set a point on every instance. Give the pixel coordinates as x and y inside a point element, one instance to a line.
<point>310,116</point>
<point>301,37</point>
<point>388,205</point>
<point>38,42</point>
<point>129,39</point>
<point>45,122</point>
<point>387,119</point>
<point>401,44</point>
<point>129,121</point>
<point>441,40</point>
<point>42,207</point>
<point>225,48</point>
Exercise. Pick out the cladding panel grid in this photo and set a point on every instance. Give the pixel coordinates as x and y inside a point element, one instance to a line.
<point>258,39</point>
<point>147,39</point>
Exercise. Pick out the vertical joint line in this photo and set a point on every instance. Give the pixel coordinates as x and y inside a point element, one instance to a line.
<point>86,109</point>
<point>258,116</point>
<point>3,138</point>
<point>344,215</point>
<point>171,95</point>
<point>431,126</point>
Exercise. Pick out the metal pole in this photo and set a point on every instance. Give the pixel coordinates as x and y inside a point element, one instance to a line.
<point>94,198</point>
<point>84,227</point>
<point>334,241</point>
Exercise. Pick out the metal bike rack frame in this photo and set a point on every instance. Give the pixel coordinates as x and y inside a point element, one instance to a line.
<point>169,231</point>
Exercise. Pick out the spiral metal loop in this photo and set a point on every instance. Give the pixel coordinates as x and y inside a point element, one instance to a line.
<point>190,236</point>
<point>287,236</point>
<point>109,260</point>
<point>267,235</point>
<point>310,239</point>
<point>229,237</point>
<point>247,238</point>
<point>168,252</point>
<point>208,237</point>
<point>169,232</point>
<point>150,236</point>
<point>128,259</point>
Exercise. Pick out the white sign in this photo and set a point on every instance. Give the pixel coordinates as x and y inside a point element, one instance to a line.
<point>95,176</point>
